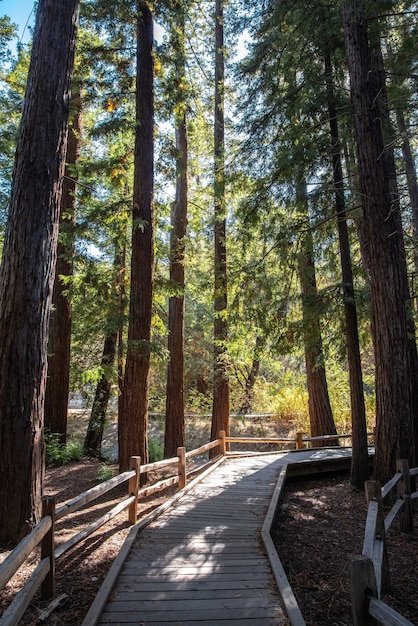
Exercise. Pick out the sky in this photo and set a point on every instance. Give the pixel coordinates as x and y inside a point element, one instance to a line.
<point>19,11</point>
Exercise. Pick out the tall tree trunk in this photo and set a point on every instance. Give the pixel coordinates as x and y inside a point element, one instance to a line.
<point>59,341</point>
<point>410,171</point>
<point>320,412</point>
<point>174,419</point>
<point>28,264</point>
<point>360,471</point>
<point>97,421</point>
<point>412,181</point>
<point>247,404</point>
<point>382,240</point>
<point>220,409</point>
<point>133,418</point>
<point>95,428</point>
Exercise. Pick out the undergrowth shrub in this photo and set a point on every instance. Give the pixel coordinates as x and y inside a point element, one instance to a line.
<point>57,453</point>
<point>155,450</point>
<point>105,473</point>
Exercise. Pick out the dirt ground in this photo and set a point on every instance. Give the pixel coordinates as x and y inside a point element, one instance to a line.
<point>319,524</point>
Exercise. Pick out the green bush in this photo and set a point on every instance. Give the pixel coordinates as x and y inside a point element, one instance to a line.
<point>105,473</point>
<point>155,450</point>
<point>56,453</point>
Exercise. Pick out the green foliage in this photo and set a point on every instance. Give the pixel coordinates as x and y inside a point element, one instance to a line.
<point>57,453</point>
<point>105,473</point>
<point>155,450</point>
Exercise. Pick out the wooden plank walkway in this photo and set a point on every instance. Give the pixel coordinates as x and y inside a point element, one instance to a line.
<point>203,562</point>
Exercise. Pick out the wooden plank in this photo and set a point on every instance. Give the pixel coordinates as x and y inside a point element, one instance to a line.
<point>291,606</point>
<point>14,612</point>
<point>208,616</point>
<point>86,532</point>
<point>209,549</point>
<point>390,517</point>
<point>130,582</point>
<point>157,595</point>
<point>271,621</point>
<point>19,555</point>
<point>201,561</point>
<point>92,494</point>
<point>95,610</point>
<point>391,484</point>
<point>386,615</point>
<point>370,530</point>
<point>190,575</point>
<point>201,547</point>
<point>195,605</point>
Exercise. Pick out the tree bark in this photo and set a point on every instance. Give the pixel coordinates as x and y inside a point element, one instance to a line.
<point>382,240</point>
<point>59,341</point>
<point>247,404</point>
<point>412,181</point>
<point>174,419</point>
<point>220,408</point>
<point>360,471</point>
<point>28,265</point>
<point>97,421</point>
<point>133,418</point>
<point>320,412</point>
<point>95,428</point>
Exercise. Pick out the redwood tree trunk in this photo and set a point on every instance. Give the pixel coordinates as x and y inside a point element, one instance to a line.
<point>382,240</point>
<point>59,341</point>
<point>95,428</point>
<point>174,420</point>
<point>360,471</point>
<point>320,412</point>
<point>133,417</point>
<point>411,179</point>
<point>28,265</point>
<point>220,409</point>
<point>94,435</point>
<point>247,404</point>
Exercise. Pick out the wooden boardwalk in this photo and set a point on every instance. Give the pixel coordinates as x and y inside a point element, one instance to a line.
<point>203,561</point>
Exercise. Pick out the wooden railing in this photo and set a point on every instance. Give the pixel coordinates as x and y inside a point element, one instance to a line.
<point>370,573</point>
<point>42,535</point>
<point>298,441</point>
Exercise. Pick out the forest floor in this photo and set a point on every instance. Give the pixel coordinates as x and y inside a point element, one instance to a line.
<point>320,523</point>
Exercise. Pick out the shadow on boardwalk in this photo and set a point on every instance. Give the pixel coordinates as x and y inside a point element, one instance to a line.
<point>202,562</point>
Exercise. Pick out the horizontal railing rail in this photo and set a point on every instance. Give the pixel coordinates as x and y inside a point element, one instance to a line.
<point>43,533</point>
<point>299,440</point>
<point>42,577</point>
<point>370,573</point>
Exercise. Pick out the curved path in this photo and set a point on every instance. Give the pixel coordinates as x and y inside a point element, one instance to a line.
<point>203,562</point>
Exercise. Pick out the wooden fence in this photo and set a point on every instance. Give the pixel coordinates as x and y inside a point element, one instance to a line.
<point>42,535</point>
<point>370,573</point>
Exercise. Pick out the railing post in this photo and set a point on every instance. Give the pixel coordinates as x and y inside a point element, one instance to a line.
<point>299,440</point>
<point>363,582</point>
<point>135,464</point>
<point>222,435</point>
<point>374,492</point>
<point>406,518</point>
<point>181,453</point>
<point>47,549</point>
